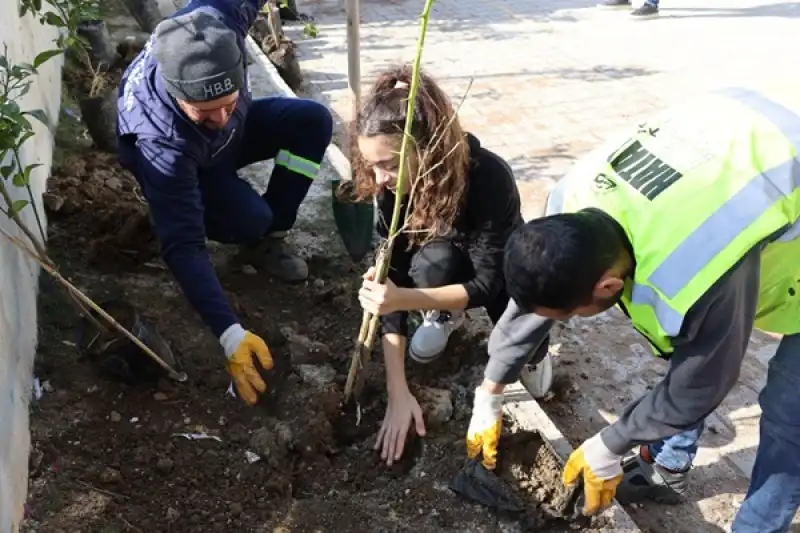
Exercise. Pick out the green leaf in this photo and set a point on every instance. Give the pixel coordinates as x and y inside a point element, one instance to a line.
<point>6,171</point>
<point>39,115</point>
<point>21,179</point>
<point>17,206</point>
<point>3,62</point>
<point>54,20</point>
<point>23,90</point>
<point>45,56</point>
<point>24,137</point>
<point>37,5</point>
<point>27,68</point>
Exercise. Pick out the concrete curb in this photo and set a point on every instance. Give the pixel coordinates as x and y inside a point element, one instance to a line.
<point>526,412</point>
<point>334,155</point>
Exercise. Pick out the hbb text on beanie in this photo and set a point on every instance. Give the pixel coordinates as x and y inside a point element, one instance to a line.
<point>198,57</point>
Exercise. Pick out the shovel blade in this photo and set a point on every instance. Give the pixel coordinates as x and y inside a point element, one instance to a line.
<point>354,222</point>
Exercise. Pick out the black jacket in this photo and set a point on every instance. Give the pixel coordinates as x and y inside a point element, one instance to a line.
<point>490,213</point>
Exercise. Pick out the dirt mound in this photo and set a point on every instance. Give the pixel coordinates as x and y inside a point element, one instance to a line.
<point>100,204</point>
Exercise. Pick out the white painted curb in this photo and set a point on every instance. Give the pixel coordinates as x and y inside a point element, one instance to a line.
<point>334,155</point>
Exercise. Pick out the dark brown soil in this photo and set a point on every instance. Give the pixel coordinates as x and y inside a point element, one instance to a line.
<point>109,457</point>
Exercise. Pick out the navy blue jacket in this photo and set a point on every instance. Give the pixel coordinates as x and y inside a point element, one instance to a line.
<point>166,151</point>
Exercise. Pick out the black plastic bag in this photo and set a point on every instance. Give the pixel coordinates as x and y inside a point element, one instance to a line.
<point>477,484</point>
<point>116,355</point>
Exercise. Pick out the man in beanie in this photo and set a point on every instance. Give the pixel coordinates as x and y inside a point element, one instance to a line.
<point>187,122</point>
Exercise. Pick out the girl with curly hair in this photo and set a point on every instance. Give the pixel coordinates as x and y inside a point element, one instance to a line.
<point>460,205</point>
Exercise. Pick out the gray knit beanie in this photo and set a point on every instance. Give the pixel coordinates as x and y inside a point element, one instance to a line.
<point>199,57</point>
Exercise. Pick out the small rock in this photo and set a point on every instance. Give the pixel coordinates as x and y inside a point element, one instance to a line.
<point>35,459</point>
<point>165,464</point>
<point>250,270</point>
<point>318,283</point>
<point>160,397</point>
<point>114,183</point>
<point>172,514</point>
<point>436,404</point>
<point>52,202</point>
<point>317,376</point>
<point>115,416</point>
<point>343,302</point>
<point>110,475</point>
<point>236,509</point>
<point>304,351</point>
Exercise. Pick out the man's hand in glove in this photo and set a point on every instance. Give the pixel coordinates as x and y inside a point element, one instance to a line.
<point>601,472</point>
<point>240,347</point>
<point>485,426</point>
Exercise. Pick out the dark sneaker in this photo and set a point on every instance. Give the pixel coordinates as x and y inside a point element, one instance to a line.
<point>644,479</point>
<point>614,4</point>
<point>647,11</point>
<point>273,256</point>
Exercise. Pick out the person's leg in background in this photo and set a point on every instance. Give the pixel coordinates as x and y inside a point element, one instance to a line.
<point>436,264</point>
<point>774,493</point>
<point>295,133</point>
<point>673,457</point>
<point>647,10</point>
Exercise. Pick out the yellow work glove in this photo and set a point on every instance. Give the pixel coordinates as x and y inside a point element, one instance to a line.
<point>240,346</point>
<point>601,472</point>
<point>485,427</point>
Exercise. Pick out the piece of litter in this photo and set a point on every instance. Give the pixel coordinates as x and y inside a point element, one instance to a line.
<point>251,457</point>
<point>197,436</point>
<point>71,113</point>
<point>68,343</point>
<point>134,419</point>
<point>37,389</point>
<point>231,391</point>
<point>358,414</point>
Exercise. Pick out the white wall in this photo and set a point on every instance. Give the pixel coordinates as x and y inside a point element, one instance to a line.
<point>18,276</point>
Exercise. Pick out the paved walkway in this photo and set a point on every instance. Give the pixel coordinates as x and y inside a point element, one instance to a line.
<point>550,79</point>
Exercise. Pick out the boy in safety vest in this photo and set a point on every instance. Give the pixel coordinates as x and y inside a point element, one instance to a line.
<point>690,226</point>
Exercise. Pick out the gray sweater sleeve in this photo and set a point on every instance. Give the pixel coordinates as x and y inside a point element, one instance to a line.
<point>704,365</point>
<point>519,338</point>
<point>516,339</point>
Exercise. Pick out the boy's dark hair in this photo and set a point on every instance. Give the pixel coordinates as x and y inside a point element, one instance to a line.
<point>555,261</point>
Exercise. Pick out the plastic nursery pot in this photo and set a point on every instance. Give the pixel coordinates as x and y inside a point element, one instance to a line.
<point>99,113</point>
<point>146,12</point>
<point>355,222</point>
<point>101,49</point>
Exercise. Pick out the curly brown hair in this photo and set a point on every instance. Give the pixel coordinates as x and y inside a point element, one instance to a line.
<point>439,182</point>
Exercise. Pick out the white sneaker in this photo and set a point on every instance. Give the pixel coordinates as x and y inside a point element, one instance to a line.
<point>538,379</point>
<point>430,339</point>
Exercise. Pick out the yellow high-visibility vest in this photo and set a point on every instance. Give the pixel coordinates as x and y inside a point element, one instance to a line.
<point>695,190</point>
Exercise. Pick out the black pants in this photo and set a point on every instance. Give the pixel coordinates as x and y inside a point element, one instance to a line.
<point>293,131</point>
<point>440,262</point>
